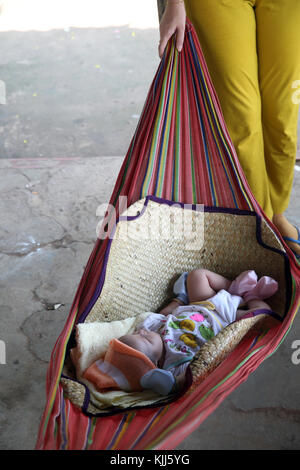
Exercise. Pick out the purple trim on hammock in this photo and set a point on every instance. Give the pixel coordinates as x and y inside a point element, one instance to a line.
<point>63,428</point>
<point>190,207</point>
<point>261,311</point>
<point>117,433</point>
<point>161,200</point>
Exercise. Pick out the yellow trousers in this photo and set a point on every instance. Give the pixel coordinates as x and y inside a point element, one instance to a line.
<point>252,50</point>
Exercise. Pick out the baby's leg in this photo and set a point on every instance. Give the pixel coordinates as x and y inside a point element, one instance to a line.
<point>203,284</point>
<point>254,304</point>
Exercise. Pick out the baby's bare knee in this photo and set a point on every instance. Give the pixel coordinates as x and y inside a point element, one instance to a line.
<point>198,287</point>
<point>197,273</point>
<point>196,276</point>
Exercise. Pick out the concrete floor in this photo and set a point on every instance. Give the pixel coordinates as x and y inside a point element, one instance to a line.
<point>73,98</point>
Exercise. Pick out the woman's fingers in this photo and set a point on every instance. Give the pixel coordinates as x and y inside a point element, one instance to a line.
<point>180,39</point>
<point>173,21</point>
<point>162,45</point>
<point>179,42</point>
<point>164,40</point>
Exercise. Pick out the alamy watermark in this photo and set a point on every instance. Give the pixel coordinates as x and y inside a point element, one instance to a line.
<point>2,352</point>
<point>296,353</point>
<point>2,92</point>
<point>173,221</point>
<point>296,94</point>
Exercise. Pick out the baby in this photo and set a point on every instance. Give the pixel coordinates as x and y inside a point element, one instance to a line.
<point>157,354</point>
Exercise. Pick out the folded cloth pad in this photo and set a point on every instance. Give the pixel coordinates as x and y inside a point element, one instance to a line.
<point>92,342</point>
<point>121,368</point>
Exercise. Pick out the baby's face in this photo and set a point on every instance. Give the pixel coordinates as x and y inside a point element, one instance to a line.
<point>147,342</point>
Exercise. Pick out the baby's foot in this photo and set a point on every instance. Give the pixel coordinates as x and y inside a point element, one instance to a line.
<point>265,287</point>
<point>243,283</point>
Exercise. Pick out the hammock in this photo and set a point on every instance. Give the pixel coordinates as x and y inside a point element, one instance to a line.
<point>181,166</point>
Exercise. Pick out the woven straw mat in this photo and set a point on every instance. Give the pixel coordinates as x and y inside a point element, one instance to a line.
<point>148,253</point>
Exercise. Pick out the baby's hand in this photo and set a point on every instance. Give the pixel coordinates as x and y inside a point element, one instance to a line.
<point>166,311</point>
<point>170,307</point>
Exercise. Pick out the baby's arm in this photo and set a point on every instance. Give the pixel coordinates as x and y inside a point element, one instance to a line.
<point>203,284</point>
<point>170,307</point>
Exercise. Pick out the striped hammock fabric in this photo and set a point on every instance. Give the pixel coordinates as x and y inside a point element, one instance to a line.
<point>181,151</point>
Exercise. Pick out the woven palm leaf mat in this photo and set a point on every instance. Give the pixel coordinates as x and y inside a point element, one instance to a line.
<point>154,242</point>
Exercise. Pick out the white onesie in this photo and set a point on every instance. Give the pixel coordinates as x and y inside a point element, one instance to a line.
<point>189,326</point>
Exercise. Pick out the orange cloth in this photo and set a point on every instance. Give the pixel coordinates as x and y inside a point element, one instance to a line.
<point>121,367</point>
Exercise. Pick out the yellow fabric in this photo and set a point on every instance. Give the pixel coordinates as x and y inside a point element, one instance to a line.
<point>252,51</point>
<point>205,303</point>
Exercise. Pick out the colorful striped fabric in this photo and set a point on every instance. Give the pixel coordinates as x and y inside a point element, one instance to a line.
<point>181,151</point>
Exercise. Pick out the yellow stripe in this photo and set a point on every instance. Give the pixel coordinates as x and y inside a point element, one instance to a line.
<point>217,320</point>
<point>205,303</point>
<point>124,428</point>
<point>158,418</point>
<point>157,125</point>
<point>61,361</point>
<point>168,117</point>
<point>225,144</point>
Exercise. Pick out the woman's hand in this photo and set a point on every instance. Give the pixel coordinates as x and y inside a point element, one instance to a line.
<point>172,20</point>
